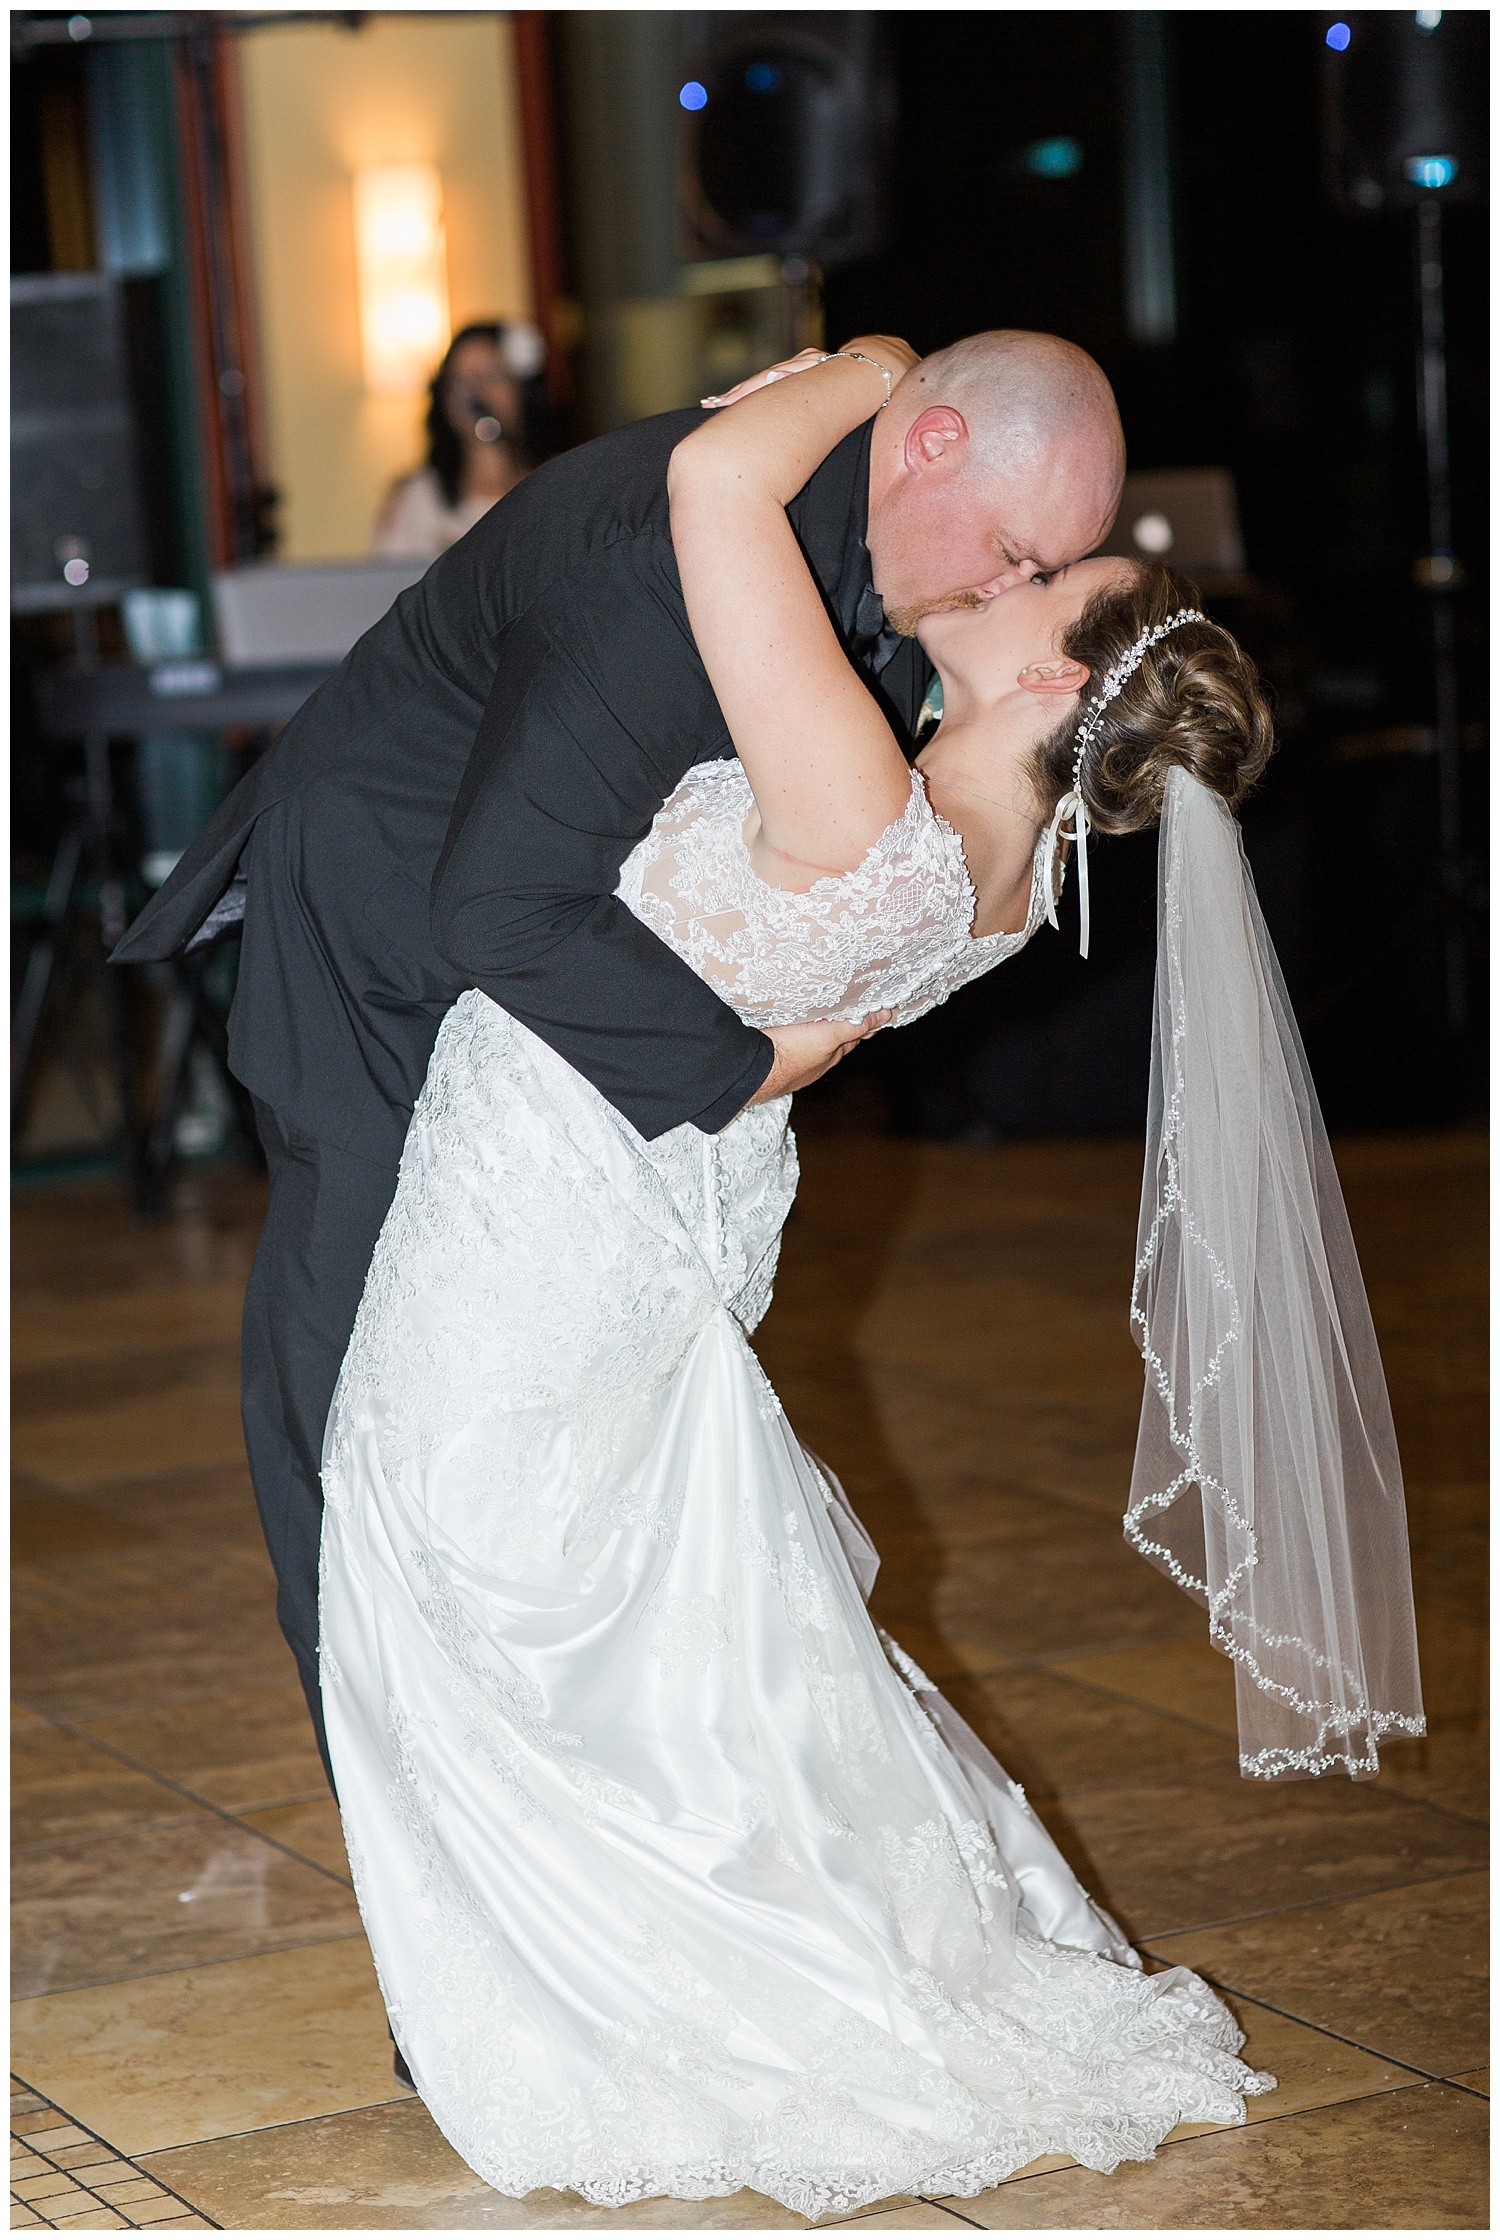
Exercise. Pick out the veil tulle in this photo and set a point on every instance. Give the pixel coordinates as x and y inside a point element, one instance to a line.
<point>1267,1481</point>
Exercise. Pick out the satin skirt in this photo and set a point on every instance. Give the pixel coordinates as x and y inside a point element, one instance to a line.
<point>678,1875</point>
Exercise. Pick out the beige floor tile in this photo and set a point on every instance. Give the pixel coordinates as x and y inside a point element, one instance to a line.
<point>962,1440</point>
<point>129,1628</point>
<point>172,1897</point>
<point>1474,2080</point>
<point>1079,1589</point>
<point>1395,2161</point>
<point>80,1243</point>
<point>62,1786</point>
<point>923,2216</point>
<point>313,1830</point>
<point>50,2186</point>
<point>166,2059</point>
<point>1181,1852</point>
<point>940,1658</point>
<point>183,1425</point>
<point>1454,1652</point>
<point>1449,1767</point>
<point>940,1530</point>
<point>215,1506</point>
<point>1312,2069</point>
<point>77,1334</point>
<point>390,2169</point>
<point>1404,1972</point>
<point>1050,1734</point>
<point>48,1524</point>
<point>1188,1678</point>
<point>243,1750</point>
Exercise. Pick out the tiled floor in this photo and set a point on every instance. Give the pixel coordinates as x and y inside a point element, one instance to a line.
<point>197,2023</point>
<point>62,2176</point>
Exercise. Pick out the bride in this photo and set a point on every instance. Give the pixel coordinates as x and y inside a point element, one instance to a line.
<point>679,1877</point>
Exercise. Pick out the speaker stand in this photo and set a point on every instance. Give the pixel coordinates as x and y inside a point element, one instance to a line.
<point>1439,574</point>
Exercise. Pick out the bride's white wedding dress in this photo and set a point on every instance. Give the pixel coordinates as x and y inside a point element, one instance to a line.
<point>678,1876</point>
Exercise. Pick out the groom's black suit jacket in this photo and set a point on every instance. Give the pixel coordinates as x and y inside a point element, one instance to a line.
<point>452,809</point>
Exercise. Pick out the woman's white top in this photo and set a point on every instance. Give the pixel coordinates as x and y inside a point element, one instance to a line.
<point>417,522</point>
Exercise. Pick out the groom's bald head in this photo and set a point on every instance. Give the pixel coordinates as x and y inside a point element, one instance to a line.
<point>1000,457</point>
<point>1024,395</point>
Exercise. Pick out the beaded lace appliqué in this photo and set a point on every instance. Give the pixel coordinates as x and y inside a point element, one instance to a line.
<point>892,935</point>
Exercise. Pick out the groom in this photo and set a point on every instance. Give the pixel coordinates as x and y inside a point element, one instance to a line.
<point>453,807</point>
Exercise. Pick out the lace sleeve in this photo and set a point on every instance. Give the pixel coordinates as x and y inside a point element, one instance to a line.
<point>869,939</point>
<point>970,959</point>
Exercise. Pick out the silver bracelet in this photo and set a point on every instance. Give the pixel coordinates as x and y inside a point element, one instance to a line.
<point>883,371</point>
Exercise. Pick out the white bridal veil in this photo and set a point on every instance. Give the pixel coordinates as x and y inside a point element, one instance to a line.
<point>1267,1481</point>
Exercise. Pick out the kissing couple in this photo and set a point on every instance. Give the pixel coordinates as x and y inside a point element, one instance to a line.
<point>679,1876</point>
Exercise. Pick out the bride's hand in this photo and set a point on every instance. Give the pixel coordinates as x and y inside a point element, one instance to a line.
<point>808,1050</point>
<point>886,350</point>
<point>804,360</point>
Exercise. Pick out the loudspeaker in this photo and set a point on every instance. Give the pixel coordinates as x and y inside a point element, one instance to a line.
<point>79,528</point>
<point>787,123</point>
<point>1405,100</point>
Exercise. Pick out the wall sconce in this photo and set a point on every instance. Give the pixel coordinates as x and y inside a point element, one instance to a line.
<point>403,275</point>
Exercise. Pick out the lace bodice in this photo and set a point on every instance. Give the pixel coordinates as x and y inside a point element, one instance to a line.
<point>891,935</point>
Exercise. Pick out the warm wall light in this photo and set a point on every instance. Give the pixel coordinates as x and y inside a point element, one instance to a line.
<point>403,275</point>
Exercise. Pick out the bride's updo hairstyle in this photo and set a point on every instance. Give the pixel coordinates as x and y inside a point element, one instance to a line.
<point>1195,702</point>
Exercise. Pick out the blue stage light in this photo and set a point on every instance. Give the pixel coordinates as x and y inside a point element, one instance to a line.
<point>1431,171</point>
<point>693,96</point>
<point>762,77</point>
<point>1338,36</point>
<point>1053,159</point>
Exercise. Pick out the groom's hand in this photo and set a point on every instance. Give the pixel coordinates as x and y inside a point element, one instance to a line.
<point>804,1053</point>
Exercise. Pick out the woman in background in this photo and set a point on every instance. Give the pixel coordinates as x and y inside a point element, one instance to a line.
<point>483,422</point>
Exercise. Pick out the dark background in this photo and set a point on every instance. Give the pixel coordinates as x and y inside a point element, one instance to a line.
<point>1294,366</point>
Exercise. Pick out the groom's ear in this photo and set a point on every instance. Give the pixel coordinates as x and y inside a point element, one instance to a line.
<point>937,438</point>
<point>1057,675</point>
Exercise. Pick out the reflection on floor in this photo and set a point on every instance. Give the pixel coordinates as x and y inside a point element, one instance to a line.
<point>194,1996</point>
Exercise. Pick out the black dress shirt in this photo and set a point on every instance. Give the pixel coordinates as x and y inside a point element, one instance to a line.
<point>453,807</point>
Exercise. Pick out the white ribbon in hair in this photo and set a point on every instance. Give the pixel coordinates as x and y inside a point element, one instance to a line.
<point>1071,805</point>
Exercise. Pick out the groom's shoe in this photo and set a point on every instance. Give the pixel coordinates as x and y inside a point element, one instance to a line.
<point>403,2074</point>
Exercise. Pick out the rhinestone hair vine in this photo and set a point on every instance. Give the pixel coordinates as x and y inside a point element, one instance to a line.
<point>1072,803</point>
<point>1119,676</point>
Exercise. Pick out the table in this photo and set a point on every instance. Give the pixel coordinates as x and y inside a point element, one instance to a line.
<point>97,702</point>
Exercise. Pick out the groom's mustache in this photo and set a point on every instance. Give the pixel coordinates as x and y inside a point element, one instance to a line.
<point>904,620</point>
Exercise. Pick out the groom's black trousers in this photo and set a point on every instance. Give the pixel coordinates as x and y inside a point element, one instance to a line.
<point>322,1220</point>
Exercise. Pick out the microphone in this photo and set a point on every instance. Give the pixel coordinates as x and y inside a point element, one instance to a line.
<point>487,428</point>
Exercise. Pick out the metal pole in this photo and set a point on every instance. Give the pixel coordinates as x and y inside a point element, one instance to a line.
<point>1440,575</point>
<point>1150,252</point>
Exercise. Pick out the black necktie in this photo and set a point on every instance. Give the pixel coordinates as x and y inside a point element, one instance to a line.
<point>873,640</point>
